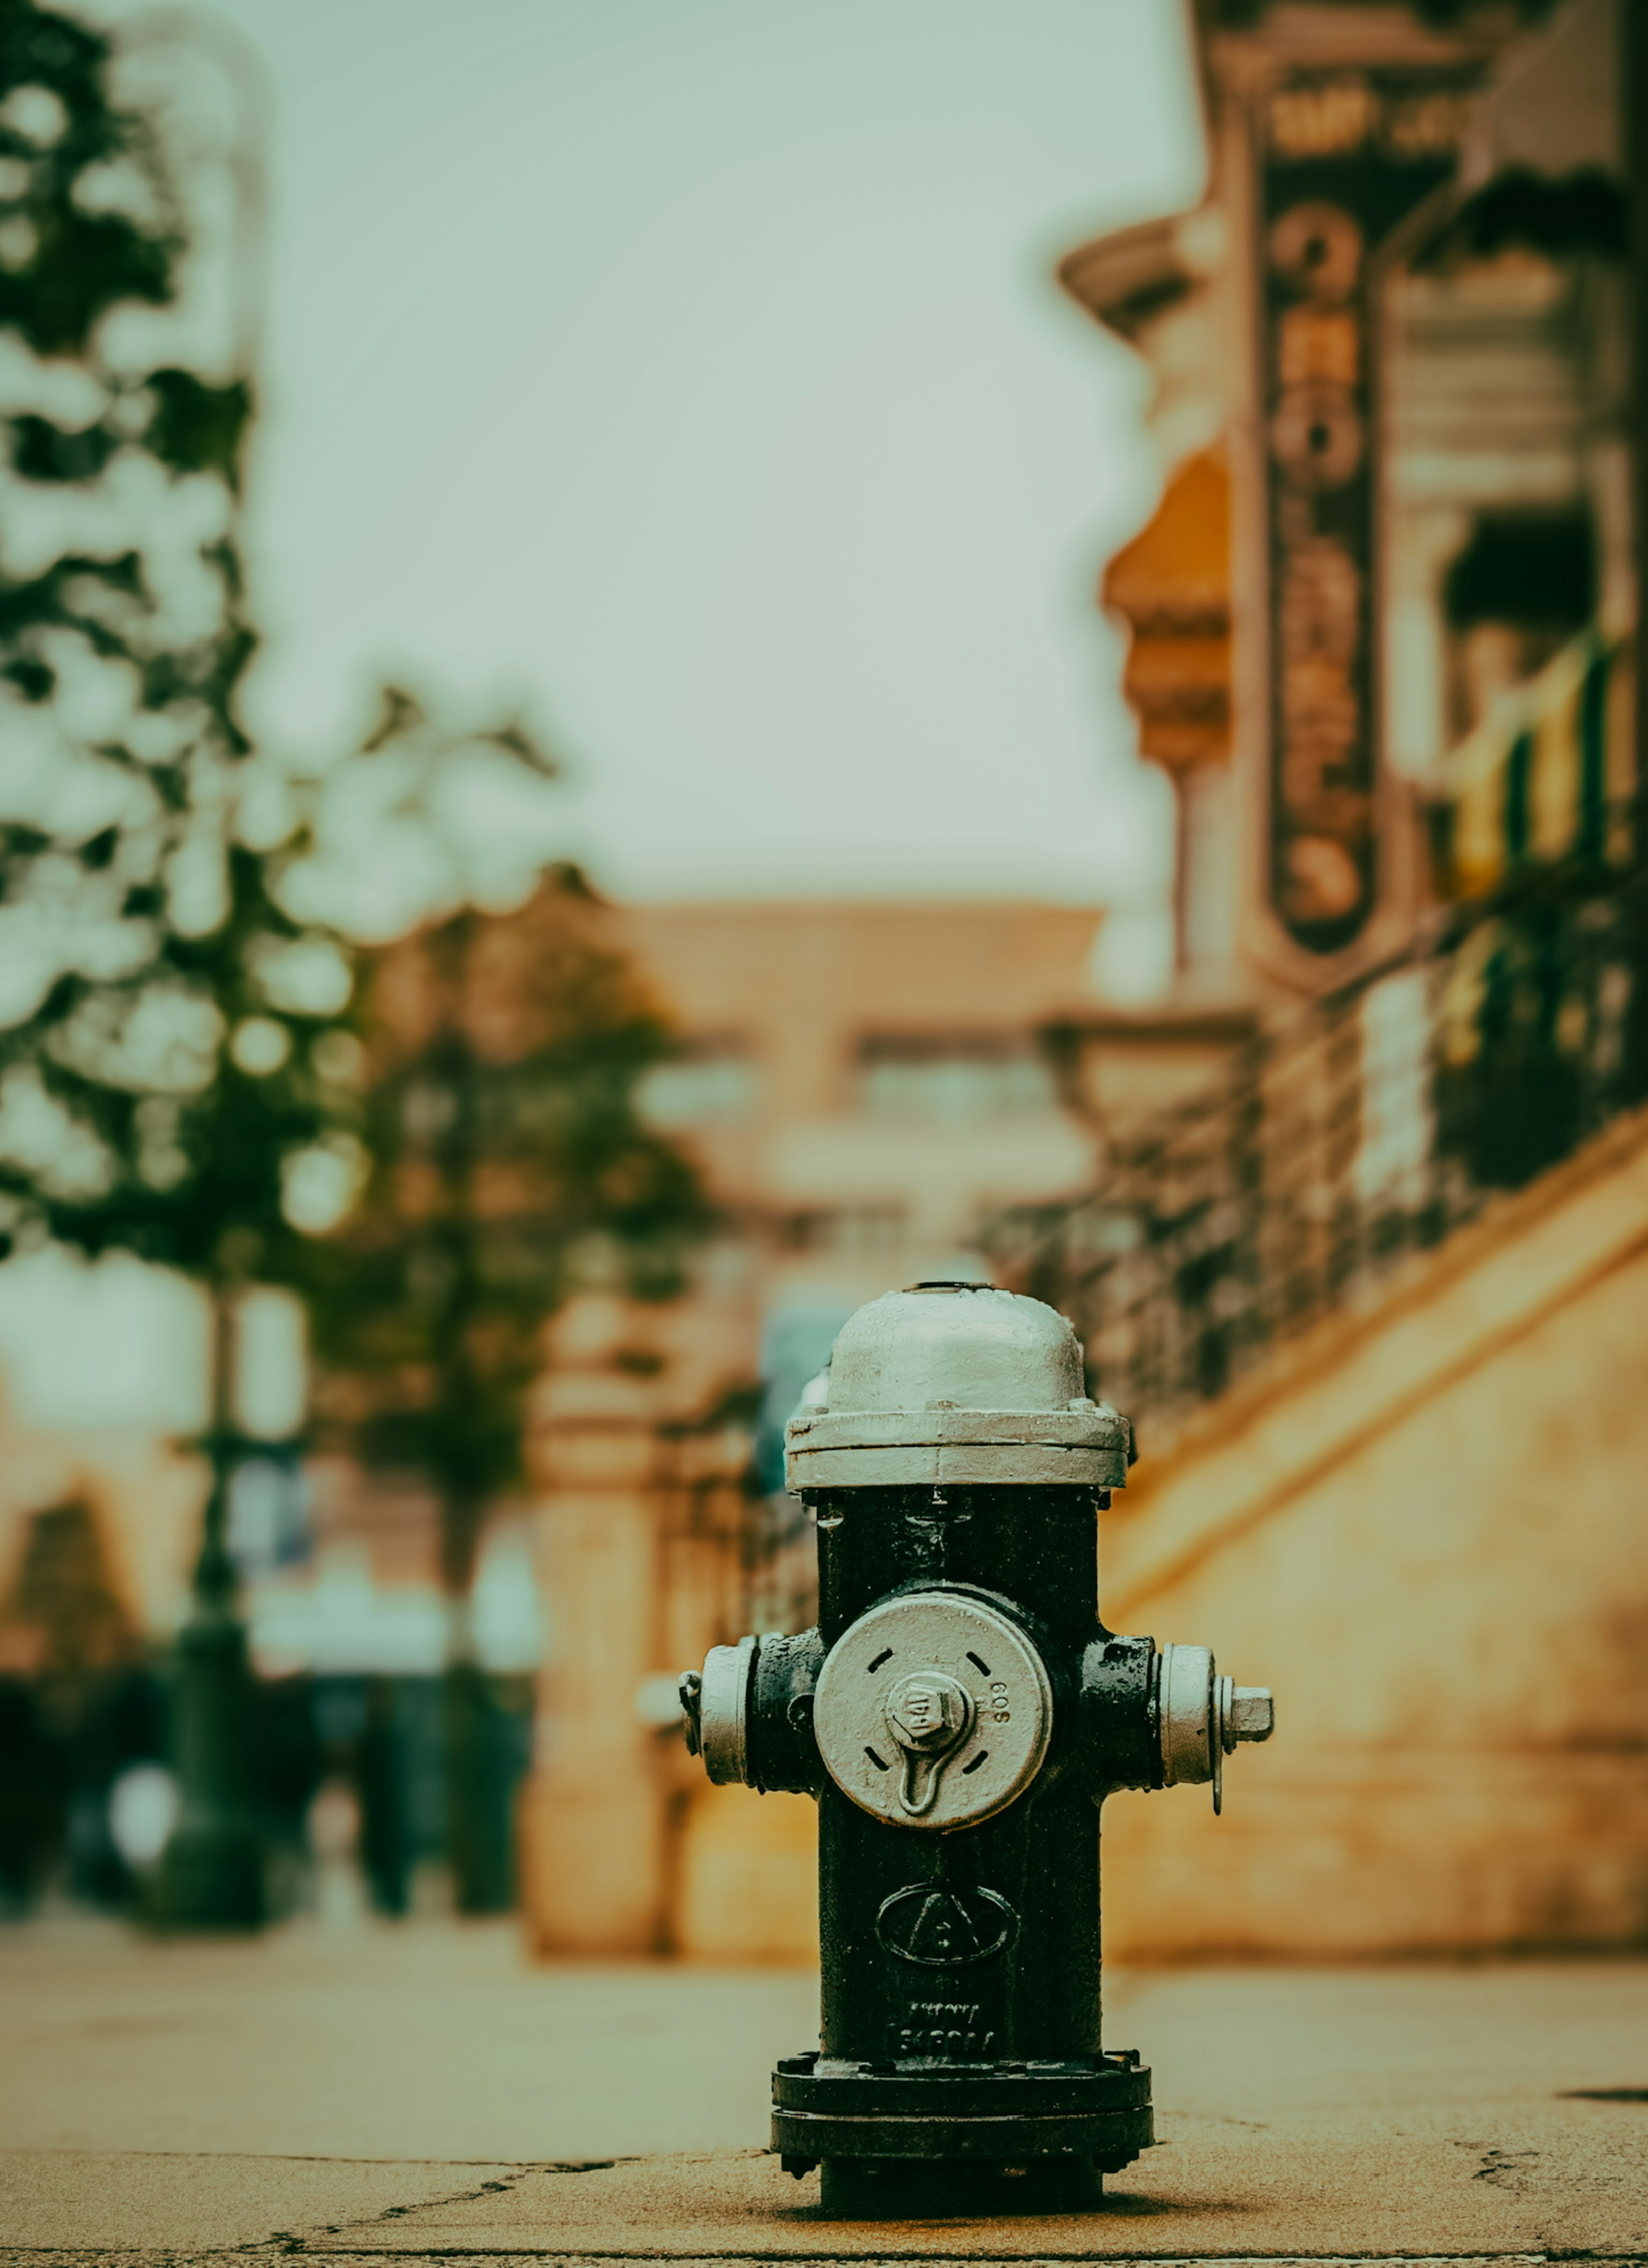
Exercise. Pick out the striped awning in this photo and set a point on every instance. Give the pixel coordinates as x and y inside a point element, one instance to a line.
<point>1550,774</point>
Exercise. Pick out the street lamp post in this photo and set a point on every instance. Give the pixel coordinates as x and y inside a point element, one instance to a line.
<point>211,1872</point>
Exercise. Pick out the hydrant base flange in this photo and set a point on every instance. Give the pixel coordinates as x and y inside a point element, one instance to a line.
<point>969,2189</point>
<point>1095,2113</point>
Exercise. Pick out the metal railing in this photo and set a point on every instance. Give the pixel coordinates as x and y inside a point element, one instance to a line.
<point>1370,1127</point>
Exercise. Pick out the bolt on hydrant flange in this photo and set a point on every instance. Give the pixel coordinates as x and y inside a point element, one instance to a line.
<point>958,1714</point>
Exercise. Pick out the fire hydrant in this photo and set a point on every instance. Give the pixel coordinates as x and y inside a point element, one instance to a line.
<point>960,1713</point>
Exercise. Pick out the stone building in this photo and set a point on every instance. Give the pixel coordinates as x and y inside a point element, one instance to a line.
<point>1393,397</point>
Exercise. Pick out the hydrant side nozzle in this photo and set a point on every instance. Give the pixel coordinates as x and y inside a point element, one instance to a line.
<point>1120,1736</point>
<point>1203,1716</point>
<point>724,1698</point>
<point>783,1755</point>
<point>749,1714</point>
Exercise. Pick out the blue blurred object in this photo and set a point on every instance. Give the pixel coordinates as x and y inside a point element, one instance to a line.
<point>269,1514</point>
<point>796,1345</point>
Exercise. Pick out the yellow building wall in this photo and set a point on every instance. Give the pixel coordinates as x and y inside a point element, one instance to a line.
<point>747,1885</point>
<point>1427,1532</point>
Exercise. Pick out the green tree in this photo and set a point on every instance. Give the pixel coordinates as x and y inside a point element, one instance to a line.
<point>503,1053</point>
<point>163,1021</point>
<point>181,1064</point>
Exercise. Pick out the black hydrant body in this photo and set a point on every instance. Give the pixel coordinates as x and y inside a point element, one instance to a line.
<point>960,1713</point>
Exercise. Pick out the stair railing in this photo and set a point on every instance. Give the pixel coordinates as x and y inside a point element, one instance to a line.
<point>1362,1130</point>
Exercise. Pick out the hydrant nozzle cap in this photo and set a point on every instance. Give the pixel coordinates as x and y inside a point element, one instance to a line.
<point>958,1383</point>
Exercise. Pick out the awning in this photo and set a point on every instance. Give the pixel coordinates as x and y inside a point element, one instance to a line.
<point>1550,774</point>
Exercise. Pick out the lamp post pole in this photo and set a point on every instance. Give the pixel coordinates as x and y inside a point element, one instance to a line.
<point>211,1874</point>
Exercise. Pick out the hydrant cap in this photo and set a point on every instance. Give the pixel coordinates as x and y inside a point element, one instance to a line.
<point>960,1383</point>
<point>955,1347</point>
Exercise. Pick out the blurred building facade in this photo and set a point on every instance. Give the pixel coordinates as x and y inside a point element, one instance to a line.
<point>1393,406</point>
<point>864,1087</point>
<point>1363,1250</point>
<point>863,1081</point>
<point>1364,1256</point>
<point>1375,1292</point>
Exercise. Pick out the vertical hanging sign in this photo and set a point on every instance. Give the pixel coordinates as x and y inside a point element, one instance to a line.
<point>1343,158</point>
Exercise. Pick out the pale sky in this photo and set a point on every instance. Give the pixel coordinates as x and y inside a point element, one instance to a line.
<point>692,371</point>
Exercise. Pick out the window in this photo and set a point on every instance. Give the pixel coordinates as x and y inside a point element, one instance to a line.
<point>1514,597</point>
<point>952,1078</point>
<point>707,1083</point>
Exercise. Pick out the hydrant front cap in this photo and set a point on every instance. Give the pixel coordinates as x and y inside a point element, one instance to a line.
<point>960,1384</point>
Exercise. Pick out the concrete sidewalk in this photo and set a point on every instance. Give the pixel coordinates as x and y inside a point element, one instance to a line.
<point>421,2093</point>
